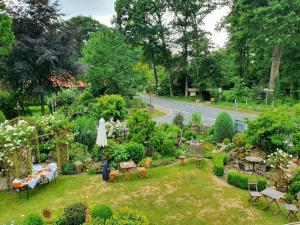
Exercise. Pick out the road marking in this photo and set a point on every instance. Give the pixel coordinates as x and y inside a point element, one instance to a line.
<point>211,118</point>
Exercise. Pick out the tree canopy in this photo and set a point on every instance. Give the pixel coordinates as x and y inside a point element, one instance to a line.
<point>110,63</point>
<point>6,34</point>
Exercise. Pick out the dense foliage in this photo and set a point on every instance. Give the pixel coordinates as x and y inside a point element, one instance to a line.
<point>140,125</point>
<point>33,219</point>
<point>274,127</point>
<point>219,161</point>
<point>110,63</point>
<point>74,214</point>
<point>6,34</point>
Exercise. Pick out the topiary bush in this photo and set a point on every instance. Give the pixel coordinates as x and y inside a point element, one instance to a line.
<point>223,128</point>
<point>2,117</point>
<point>74,214</point>
<point>101,212</point>
<point>33,219</point>
<point>219,160</point>
<point>135,151</point>
<point>239,140</point>
<point>179,120</point>
<point>127,216</point>
<point>241,180</point>
<point>168,148</point>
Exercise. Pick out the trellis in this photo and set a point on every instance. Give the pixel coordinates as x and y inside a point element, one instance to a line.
<point>22,158</point>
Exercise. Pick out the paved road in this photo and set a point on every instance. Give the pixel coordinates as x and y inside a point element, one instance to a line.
<point>209,114</point>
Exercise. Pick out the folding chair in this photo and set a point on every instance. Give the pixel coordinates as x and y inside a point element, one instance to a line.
<point>253,192</point>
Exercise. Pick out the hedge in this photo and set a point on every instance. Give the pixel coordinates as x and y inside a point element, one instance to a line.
<point>219,161</point>
<point>241,180</point>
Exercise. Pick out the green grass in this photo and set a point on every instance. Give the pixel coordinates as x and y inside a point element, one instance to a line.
<point>36,110</point>
<point>170,195</point>
<point>157,113</point>
<point>181,98</point>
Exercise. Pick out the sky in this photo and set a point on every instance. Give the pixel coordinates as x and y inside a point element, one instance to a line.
<point>103,11</point>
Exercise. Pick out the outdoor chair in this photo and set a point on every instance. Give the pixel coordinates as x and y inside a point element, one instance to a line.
<point>253,192</point>
<point>113,175</point>
<point>142,171</point>
<point>293,209</point>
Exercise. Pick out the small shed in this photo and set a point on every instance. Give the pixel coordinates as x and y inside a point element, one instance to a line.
<point>193,91</point>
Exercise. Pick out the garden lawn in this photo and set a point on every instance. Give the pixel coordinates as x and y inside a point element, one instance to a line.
<point>170,195</point>
<point>157,114</point>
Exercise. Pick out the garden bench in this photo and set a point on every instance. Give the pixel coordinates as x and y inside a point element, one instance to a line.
<point>274,197</point>
<point>253,192</point>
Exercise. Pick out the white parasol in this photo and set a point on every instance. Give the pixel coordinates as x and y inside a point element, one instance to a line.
<point>101,134</point>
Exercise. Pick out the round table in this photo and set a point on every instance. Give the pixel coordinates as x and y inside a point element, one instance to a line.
<point>253,160</point>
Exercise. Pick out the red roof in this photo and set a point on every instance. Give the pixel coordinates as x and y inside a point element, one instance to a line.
<point>67,83</point>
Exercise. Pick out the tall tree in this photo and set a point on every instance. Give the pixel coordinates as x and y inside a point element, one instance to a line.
<point>143,22</point>
<point>6,34</point>
<point>110,63</point>
<point>44,48</point>
<point>84,26</point>
<point>188,19</point>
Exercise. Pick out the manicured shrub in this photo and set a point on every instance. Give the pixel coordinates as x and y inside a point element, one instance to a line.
<point>179,120</point>
<point>33,219</point>
<point>127,216</point>
<point>224,127</point>
<point>219,160</point>
<point>2,117</point>
<point>168,148</point>
<point>74,214</point>
<point>85,129</point>
<point>239,140</point>
<point>141,127</point>
<point>110,106</point>
<point>102,212</point>
<point>135,151</point>
<point>241,180</point>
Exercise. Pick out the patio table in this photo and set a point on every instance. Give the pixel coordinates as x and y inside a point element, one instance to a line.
<point>127,166</point>
<point>274,197</point>
<point>39,172</point>
<point>253,160</point>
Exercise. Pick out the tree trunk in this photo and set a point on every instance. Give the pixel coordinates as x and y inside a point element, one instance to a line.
<point>155,76</point>
<point>186,86</point>
<point>42,105</point>
<point>275,67</point>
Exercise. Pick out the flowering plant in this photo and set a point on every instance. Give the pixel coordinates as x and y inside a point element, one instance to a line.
<point>14,137</point>
<point>279,159</point>
<point>52,123</point>
<point>113,128</point>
